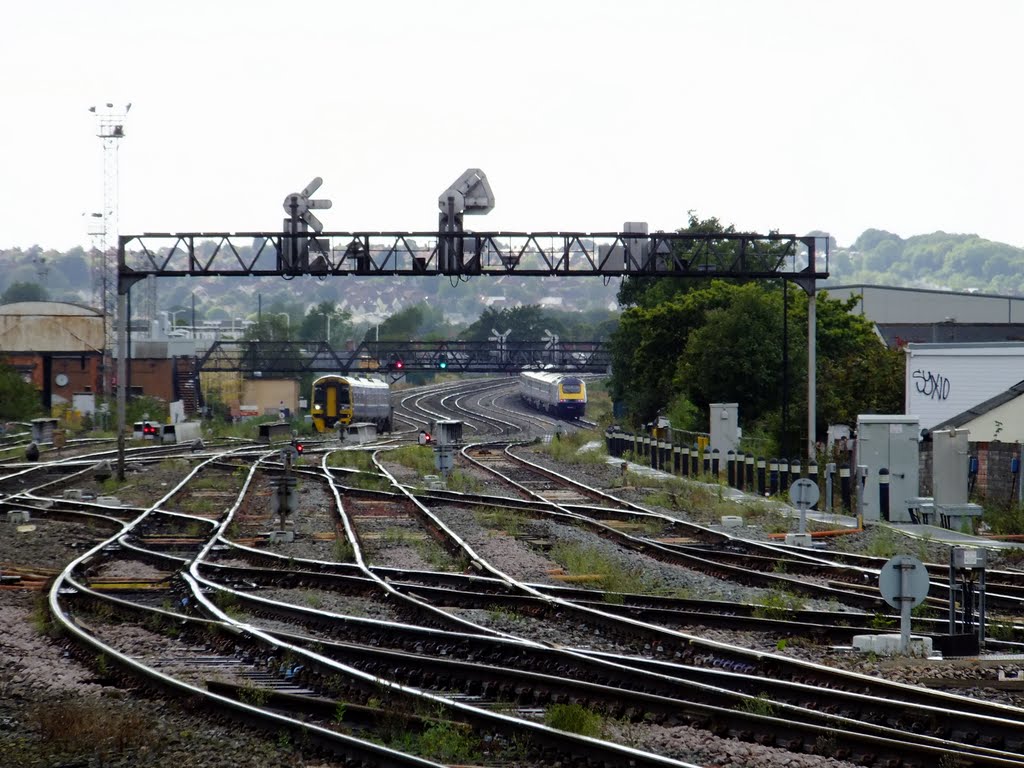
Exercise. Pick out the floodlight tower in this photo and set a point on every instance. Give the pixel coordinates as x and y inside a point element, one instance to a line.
<point>110,121</point>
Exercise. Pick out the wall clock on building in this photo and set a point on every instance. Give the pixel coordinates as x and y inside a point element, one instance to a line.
<point>62,380</point>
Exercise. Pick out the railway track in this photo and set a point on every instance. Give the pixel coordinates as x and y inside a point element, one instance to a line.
<point>395,600</point>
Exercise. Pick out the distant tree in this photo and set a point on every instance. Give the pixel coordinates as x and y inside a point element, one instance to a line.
<point>870,238</point>
<point>884,255</point>
<point>405,325</point>
<point>735,354</point>
<point>24,291</point>
<point>323,318</point>
<point>19,400</point>
<point>647,291</point>
<point>526,323</point>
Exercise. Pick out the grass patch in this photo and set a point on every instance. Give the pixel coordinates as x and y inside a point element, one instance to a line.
<point>218,482</point>
<point>885,543</point>
<point>449,742</point>
<point>254,695</point>
<point>343,551</point>
<point>361,460</point>
<point>777,605</point>
<point>758,705</point>
<point>90,727</point>
<point>367,481</point>
<point>416,457</point>
<point>566,449</point>
<point>574,718</point>
<point>612,576</point>
<point>498,519</point>
<point>461,482</point>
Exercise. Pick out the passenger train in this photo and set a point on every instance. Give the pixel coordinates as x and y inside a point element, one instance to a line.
<point>555,393</point>
<point>341,400</point>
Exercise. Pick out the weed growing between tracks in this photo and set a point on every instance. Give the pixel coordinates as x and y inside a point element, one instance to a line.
<point>362,474</point>
<point>343,551</point>
<point>574,718</point>
<point>416,457</point>
<point>566,448</point>
<point>777,605</point>
<point>758,705</point>
<point>460,482</point>
<point>499,519</point>
<point>612,576</point>
<point>41,618</point>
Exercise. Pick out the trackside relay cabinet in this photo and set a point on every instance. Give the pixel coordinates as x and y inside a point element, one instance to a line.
<point>890,442</point>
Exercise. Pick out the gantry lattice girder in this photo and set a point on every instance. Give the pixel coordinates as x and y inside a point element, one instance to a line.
<point>291,358</point>
<point>612,254</point>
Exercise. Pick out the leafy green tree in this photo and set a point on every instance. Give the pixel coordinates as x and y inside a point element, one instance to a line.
<point>526,323</point>
<point>19,400</point>
<point>405,325</point>
<point>647,291</point>
<point>324,317</point>
<point>871,238</point>
<point>883,256</point>
<point>24,291</point>
<point>735,354</point>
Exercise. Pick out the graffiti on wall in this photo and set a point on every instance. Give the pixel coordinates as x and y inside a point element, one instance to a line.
<point>930,384</point>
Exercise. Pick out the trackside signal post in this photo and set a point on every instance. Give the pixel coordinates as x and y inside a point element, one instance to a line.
<point>446,436</point>
<point>452,251</point>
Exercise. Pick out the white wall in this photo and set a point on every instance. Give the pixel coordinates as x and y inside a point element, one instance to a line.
<point>943,380</point>
<point>1004,422</point>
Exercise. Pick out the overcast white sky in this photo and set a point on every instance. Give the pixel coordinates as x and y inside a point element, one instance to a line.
<point>584,114</point>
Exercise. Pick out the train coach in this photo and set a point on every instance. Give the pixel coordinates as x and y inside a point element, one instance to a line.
<point>554,393</point>
<point>338,401</point>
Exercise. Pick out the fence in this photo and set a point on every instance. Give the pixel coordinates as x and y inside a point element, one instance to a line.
<point>993,467</point>
<point>755,475</point>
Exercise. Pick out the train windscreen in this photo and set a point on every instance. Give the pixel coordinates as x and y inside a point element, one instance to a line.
<point>572,386</point>
<point>319,395</point>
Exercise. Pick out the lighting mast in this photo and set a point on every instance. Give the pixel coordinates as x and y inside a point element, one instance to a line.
<point>110,121</point>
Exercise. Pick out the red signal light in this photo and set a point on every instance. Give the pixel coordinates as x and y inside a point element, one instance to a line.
<point>299,447</point>
<point>399,365</point>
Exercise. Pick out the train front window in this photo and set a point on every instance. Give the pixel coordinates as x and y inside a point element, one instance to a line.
<point>319,397</point>
<point>344,396</point>
<point>572,386</point>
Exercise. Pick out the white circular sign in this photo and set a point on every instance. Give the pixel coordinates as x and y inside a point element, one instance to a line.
<point>891,584</point>
<point>62,380</point>
<point>804,493</point>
